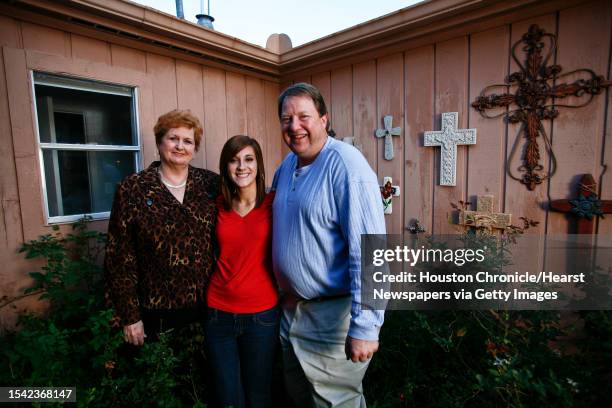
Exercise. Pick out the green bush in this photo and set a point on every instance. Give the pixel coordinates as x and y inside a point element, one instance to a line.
<point>491,358</point>
<point>73,344</point>
<point>470,358</point>
<point>427,359</point>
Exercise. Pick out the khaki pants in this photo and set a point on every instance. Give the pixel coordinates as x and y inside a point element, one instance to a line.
<point>316,370</point>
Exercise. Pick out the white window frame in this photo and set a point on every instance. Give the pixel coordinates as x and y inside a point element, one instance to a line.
<point>88,85</point>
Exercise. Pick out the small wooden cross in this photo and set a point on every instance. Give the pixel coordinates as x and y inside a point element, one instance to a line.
<point>448,138</point>
<point>484,217</point>
<point>388,191</point>
<point>388,132</point>
<point>586,207</point>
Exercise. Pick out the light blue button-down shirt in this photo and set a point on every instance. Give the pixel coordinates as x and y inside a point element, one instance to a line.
<point>319,214</point>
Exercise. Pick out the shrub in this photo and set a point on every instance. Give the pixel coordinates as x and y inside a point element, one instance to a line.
<point>73,344</point>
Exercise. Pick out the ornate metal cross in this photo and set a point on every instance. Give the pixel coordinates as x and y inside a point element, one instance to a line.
<point>448,138</point>
<point>535,100</point>
<point>388,132</point>
<point>484,217</point>
<point>586,207</point>
<point>388,191</point>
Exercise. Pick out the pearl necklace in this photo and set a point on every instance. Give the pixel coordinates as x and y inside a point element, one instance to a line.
<point>169,185</point>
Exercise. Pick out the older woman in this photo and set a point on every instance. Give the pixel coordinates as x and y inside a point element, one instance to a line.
<point>242,322</point>
<point>159,254</point>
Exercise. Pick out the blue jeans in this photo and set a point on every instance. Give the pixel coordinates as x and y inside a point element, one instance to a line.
<point>241,350</point>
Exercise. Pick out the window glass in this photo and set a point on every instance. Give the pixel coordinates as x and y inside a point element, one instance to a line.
<point>88,143</point>
<point>79,182</point>
<point>77,116</point>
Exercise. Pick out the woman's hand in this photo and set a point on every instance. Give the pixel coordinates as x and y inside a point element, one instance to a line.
<point>134,333</point>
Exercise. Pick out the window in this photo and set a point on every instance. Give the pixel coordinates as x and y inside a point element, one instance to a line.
<point>88,141</point>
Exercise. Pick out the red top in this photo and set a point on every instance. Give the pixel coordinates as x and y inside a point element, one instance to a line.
<point>242,281</point>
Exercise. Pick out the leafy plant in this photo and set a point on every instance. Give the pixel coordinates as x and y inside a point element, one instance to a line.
<point>488,358</point>
<point>74,344</point>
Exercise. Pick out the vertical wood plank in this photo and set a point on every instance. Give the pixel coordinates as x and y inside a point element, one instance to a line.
<point>577,133</point>
<point>163,74</point>
<point>47,40</point>
<point>451,96</point>
<point>215,122</point>
<point>284,148</point>
<point>128,58</point>
<point>342,101</point>
<point>364,110</point>
<point>274,142</point>
<point>24,142</point>
<point>11,234</point>
<point>390,101</point>
<point>419,169</point>
<point>10,33</point>
<point>521,202</point>
<point>191,96</point>
<point>22,206</point>
<point>256,113</point>
<point>323,82</point>
<point>90,49</point>
<point>486,159</point>
<point>605,188</point>
<point>13,278</point>
<point>147,120</point>
<point>236,104</point>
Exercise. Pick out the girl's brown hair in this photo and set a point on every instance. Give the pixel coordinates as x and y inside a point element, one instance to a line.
<point>230,149</point>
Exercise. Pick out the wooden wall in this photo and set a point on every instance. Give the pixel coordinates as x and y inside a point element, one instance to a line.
<point>226,102</point>
<point>416,85</point>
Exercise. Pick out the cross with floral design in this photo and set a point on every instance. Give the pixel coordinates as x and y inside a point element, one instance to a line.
<point>586,207</point>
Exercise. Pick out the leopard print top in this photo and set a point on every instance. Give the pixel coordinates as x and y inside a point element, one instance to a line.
<point>159,253</point>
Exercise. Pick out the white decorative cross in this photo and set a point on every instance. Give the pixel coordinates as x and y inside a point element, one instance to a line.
<point>388,132</point>
<point>388,191</point>
<point>448,138</point>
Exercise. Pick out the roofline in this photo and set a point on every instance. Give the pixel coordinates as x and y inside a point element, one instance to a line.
<point>419,24</point>
<point>144,23</point>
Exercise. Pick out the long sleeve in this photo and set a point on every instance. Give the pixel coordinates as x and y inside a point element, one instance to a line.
<point>120,262</point>
<point>319,217</point>
<point>361,212</point>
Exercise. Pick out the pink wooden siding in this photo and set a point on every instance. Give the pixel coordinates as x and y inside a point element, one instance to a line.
<point>419,83</point>
<point>415,76</point>
<point>226,102</point>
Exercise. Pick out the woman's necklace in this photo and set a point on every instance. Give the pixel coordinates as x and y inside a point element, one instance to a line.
<point>170,185</point>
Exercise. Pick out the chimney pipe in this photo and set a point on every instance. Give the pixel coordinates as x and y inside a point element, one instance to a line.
<point>179,9</point>
<point>205,20</point>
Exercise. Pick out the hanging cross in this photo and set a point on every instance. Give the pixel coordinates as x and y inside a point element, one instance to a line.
<point>388,132</point>
<point>448,138</point>
<point>388,191</point>
<point>586,207</point>
<point>484,217</point>
<point>415,227</point>
<point>535,100</point>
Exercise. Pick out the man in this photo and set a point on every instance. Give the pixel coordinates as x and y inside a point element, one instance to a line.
<point>326,197</point>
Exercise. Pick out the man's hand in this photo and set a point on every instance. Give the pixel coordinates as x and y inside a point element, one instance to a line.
<point>134,333</point>
<point>359,350</point>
